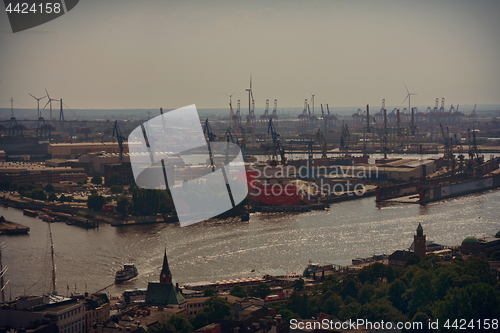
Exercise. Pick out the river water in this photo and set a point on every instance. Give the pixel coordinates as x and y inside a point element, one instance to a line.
<point>209,251</point>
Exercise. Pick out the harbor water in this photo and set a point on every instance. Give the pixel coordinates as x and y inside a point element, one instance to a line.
<point>86,260</point>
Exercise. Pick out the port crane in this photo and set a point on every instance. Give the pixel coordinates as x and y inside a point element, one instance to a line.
<point>275,110</point>
<point>321,140</point>
<point>207,130</point>
<point>119,138</point>
<point>276,141</point>
<point>344,139</point>
<point>265,116</point>
<point>231,136</point>
<point>448,153</point>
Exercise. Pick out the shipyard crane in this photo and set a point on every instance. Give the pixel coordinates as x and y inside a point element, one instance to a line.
<point>236,118</point>
<point>472,117</point>
<point>459,142</point>
<point>321,140</point>
<point>207,129</point>
<point>271,130</point>
<point>276,141</point>
<point>344,139</point>
<point>445,140</point>
<point>473,151</point>
<point>447,145</point>
<point>323,117</point>
<point>119,138</point>
<point>231,135</point>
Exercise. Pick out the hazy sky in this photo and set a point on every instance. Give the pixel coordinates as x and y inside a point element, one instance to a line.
<point>157,53</point>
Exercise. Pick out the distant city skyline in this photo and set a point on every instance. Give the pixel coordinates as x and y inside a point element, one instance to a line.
<point>151,54</point>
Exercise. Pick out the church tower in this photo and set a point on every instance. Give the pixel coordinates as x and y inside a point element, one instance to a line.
<point>419,242</point>
<point>165,275</point>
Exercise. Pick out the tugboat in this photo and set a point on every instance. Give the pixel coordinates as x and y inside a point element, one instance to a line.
<point>128,272</point>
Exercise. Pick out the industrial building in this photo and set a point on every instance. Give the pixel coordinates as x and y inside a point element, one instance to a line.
<point>75,150</point>
<point>37,173</point>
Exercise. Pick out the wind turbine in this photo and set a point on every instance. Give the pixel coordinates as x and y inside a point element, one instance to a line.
<point>38,103</point>
<point>250,100</point>
<point>409,97</point>
<point>50,102</point>
<point>230,100</point>
<point>412,126</point>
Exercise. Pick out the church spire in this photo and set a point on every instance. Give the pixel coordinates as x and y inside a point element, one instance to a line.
<point>165,275</point>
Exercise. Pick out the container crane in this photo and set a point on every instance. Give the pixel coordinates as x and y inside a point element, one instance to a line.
<point>266,112</point>
<point>275,110</point>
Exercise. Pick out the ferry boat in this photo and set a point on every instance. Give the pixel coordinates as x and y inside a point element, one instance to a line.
<point>128,272</point>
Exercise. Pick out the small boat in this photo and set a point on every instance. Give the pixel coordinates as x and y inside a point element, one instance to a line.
<point>128,272</point>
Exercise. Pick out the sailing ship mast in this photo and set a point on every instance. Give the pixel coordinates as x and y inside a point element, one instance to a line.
<point>2,273</point>
<point>53,262</point>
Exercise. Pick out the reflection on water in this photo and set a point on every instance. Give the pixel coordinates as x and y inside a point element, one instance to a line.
<point>214,250</point>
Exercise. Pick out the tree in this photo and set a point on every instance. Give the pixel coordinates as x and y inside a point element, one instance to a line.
<point>330,303</point>
<point>116,189</point>
<point>421,292</point>
<point>299,303</point>
<point>122,205</point>
<point>113,179</point>
<point>95,202</point>
<point>349,287</point>
<point>413,260</point>
<point>199,320</point>
<point>52,197</point>
<point>238,291</point>
<point>495,256</point>
<point>209,292</point>
<point>379,310</point>
<point>298,284</point>
<point>217,308</point>
<point>49,188</point>
<point>174,324</point>
<point>37,193</point>
<point>261,291</point>
<point>476,301</point>
<point>97,180</point>
<point>2,219</point>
